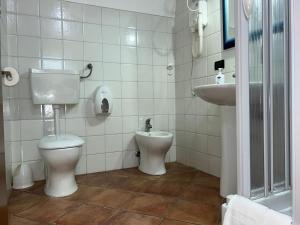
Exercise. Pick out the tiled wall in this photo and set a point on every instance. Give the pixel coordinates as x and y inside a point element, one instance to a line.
<point>198,141</point>
<point>129,51</point>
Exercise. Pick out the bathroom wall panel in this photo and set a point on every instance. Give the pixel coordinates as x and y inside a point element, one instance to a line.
<point>129,51</point>
<point>198,122</point>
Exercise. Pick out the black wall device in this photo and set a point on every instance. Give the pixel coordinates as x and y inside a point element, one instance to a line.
<point>220,64</point>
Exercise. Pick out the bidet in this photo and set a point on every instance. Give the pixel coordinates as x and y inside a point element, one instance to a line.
<point>153,148</point>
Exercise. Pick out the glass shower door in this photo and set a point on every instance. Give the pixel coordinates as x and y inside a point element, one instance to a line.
<point>268,97</point>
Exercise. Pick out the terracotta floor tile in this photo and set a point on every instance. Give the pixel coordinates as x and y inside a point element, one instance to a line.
<point>94,179</point>
<point>21,201</point>
<point>196,192</point>
<point>110,198</point>
<point>48,211</point>
<point>206,180</point>
<point>37,188</point>
<point>199,213</point>
<point>167,188</point>
<point>182,196</point>
<point>135,184</point>
<point>14,220</point>
<point>130,218</point>
<point>83,193</point>
<point>155,205</point>
<point>174,222</point>
<point>85,215</point>
<point>102,180</point>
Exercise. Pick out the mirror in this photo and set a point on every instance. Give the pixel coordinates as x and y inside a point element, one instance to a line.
<point>228,24</point>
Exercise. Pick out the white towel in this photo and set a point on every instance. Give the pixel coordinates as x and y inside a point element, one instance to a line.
<point>242,211</point>
<point>275,218</point>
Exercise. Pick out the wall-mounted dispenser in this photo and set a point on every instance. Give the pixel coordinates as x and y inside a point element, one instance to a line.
<point>103,100</point>
<point>197,23</point>
<point>220,66</point>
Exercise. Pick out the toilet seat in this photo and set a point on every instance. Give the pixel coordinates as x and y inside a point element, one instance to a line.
<point>53,142</point>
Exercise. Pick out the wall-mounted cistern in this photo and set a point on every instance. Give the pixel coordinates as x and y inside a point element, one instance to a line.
<point>148,125</point>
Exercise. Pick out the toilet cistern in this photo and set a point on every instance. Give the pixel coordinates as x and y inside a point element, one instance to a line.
<point>61,152</point>
<point>148,125</point>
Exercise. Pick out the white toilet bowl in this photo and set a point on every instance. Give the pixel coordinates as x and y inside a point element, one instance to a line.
<point>153,148</point>
<point>61,154</point>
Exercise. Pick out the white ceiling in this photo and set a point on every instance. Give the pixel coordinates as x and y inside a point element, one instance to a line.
<point>155,7</point>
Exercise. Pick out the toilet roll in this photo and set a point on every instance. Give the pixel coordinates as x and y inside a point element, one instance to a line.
<point>13,79</point>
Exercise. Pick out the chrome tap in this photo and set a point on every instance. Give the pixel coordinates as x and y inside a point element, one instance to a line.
<point>148,125</point>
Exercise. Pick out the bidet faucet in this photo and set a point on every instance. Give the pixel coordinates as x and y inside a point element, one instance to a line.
<point>148,125</point>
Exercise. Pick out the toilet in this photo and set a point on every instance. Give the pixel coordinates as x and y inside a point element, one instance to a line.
<point>60,152</point>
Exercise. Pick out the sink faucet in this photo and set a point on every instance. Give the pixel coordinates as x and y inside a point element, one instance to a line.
<point>148,125</point>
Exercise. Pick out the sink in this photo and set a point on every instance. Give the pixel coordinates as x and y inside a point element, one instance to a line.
<point>219,94</point>
<point>224,95</point>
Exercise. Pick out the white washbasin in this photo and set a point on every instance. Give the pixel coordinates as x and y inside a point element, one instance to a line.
<point>219,94</point>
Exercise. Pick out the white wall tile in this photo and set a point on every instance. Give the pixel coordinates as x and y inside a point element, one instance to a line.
<point>130,159</point>
<point>76,126</point>
<point>111,53</point>
<point>111,35</point>
<point>144,56</point>
<point>108,39</point>
<point>144,38</point>
<point>128,55</point>
<point>114,161</point>
<point>73,50</point>
<point>30,150</point>
<point>130,107</point>
<point>92,32</point>
<point>92,52</point>
<point>95,145</point>
<point>129,90</point>
<point>52,48</point>
<point>144,22</point>
<point>129,72</point>
<point>11,24</point>
<point>113,125</point>
<point>50,8</point>
<point>130,124</point>
<point>28,46</point>
<point>113,143</point>
<point>51,28</point>
<point>145,90</point>
<point>95,126</point>
<point>145,73</point>
<point>128,37</point>
<point>29,7</point>
<point>31,129</point>
<point>95,163</point>
<point>73,31</point>
<point>128,19</point>
<point>110,17</point>
<point>91,14</point>
<point>112,71</point>
<point>72,11</point>
<point>52,64</point>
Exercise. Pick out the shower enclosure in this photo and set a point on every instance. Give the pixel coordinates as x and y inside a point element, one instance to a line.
<point>263,93</point>
<point>269,98</point>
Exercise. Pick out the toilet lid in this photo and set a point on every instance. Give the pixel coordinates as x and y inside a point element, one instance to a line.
<point>61,141</point>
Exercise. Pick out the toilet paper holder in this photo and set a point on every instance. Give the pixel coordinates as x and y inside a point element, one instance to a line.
<point>11,76</point>
<point>103,101</point>
<point>7,74</point>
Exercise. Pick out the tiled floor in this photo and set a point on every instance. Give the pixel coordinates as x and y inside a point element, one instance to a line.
<point>183,196</point>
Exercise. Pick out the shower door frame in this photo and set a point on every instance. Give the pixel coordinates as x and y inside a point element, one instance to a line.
<point>242,106</point>
<point>295,104</point>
